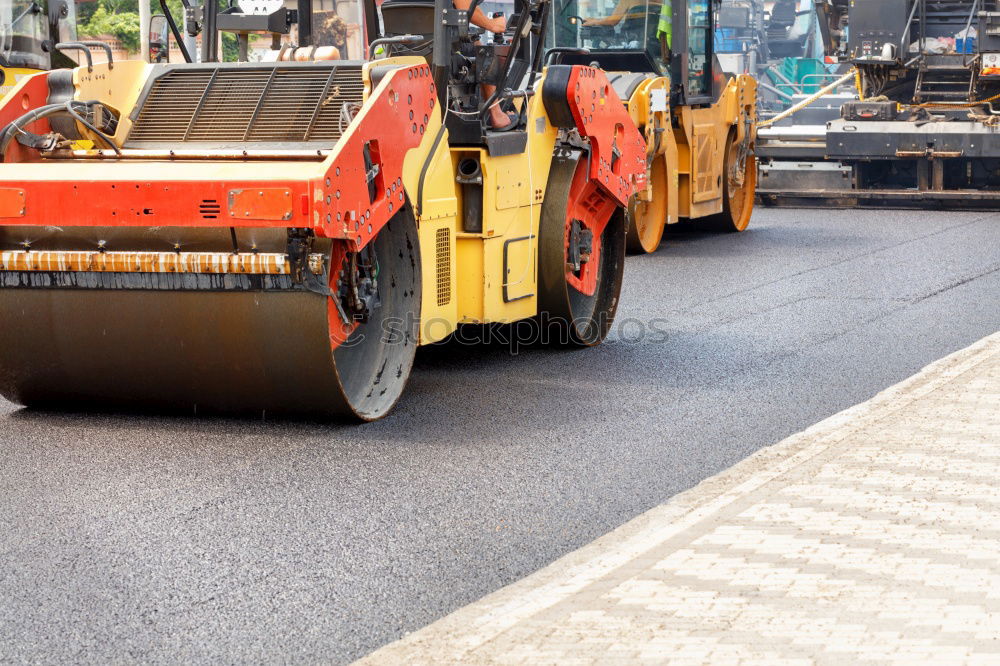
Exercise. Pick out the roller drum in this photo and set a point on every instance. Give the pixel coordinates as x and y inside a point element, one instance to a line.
<point>240,344</point>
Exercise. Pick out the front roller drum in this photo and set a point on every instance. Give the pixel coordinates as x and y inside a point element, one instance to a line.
<point>648,219</point>
<point>581,255</point>
<point>739,190</point>
<point>276,350</point>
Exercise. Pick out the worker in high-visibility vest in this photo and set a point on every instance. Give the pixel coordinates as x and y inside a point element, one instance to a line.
<point>665,29</point>
<point>665,25</point>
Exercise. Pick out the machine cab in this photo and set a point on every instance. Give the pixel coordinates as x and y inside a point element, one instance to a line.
<point>627,35</point>
<point>29,29</point>
<point>663,37</point>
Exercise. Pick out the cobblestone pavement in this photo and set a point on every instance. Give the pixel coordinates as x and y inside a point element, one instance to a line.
<point>872,537</point>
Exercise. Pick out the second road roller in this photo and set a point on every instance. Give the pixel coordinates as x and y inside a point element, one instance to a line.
<point>699,124</point>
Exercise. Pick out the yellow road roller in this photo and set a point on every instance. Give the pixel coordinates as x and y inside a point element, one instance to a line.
<point>699,124</point>
<point>280,236</point>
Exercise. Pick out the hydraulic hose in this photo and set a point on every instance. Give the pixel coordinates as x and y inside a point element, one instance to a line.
<point>17,126</point>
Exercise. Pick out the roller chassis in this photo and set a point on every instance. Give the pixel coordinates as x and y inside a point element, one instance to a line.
<point>699,125</point>
<point>687,171</point>
<point>223,235</point>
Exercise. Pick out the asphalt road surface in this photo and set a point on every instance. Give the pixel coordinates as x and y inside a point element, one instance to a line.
<point>170,539</point>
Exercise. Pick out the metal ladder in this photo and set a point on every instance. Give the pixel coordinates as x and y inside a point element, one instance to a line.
<point>945,82</point>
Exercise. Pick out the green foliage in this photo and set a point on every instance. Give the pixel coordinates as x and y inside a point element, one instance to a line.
<point>230,47</point>
<point>84,11</point>
<point>120,18</point>
<point>123,25</point>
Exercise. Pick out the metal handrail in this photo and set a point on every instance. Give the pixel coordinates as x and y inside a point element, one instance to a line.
<point>904,44</point>
<point>965,43</point>
<point>923,26</point>
<point>398,39</point>
<point>821,77</point>
<point>93,44</point>
<point>799,88</point>
<point>82,48</point>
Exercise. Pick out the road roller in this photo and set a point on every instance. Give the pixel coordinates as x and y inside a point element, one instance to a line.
<point>699,124</point>
<point>278,237</point>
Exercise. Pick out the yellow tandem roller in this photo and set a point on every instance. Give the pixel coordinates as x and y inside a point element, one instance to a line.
<point>699,124</point>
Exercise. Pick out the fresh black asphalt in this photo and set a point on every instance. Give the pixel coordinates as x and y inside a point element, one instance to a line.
<point>169,539</point>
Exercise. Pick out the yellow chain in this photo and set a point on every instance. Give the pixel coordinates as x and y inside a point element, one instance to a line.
<point>964,105</point>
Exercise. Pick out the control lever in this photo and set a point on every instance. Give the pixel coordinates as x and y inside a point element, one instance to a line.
<point>516,94</point>
<point>498,36</point>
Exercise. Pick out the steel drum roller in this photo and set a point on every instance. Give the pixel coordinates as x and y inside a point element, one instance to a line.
<point>237,349</point>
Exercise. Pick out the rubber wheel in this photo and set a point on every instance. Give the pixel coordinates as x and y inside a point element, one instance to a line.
<point>574,318</point>
<point>647,219</point>
<point>737,200</point>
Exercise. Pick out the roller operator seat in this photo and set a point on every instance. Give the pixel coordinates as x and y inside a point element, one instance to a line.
<point>409,17</point>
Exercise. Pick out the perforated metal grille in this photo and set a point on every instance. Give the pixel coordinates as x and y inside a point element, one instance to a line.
<point>443,247</point>
<point>270,104</point>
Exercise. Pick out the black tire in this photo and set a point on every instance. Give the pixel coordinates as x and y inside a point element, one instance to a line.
<point>571,317</point>
<point>737,200</point>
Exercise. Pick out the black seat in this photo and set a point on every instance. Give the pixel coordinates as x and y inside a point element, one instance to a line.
<point>407,17</point>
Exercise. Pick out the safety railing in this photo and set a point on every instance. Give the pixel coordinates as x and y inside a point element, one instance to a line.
<point>919,15</point>
<point>966,61</point>
<point>809,83</point>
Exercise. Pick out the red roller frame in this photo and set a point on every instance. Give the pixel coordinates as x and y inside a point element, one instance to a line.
<point>617,147</point>
<point>335,205</point>
<point>32,95</point>
<point>616,169</point>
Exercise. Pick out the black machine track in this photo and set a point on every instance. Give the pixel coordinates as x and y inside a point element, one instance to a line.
<point>893,199</point>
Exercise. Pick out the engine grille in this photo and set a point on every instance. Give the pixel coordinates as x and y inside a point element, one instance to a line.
<point>270,105</point>
<point>443,256</point>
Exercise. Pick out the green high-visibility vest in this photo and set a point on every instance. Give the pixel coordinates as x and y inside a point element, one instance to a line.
<point>666,26</point>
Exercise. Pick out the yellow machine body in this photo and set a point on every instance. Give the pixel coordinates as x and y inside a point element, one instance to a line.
<point>11,76</point>
<point>694,151</point>
<point>691,171</point>
<point>488,276</point>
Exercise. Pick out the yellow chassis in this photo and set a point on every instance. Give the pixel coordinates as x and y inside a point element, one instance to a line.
<point>10,77</point>
<point>692,152</point>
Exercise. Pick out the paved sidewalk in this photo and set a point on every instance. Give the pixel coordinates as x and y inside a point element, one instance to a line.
<point>872,537</point>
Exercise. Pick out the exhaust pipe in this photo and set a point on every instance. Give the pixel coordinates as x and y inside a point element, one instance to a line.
<point>470,177</point>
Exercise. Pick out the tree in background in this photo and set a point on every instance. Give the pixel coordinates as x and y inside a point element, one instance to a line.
<point>124,25</point>
<point>330,30</point>
<point>120,18</point>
